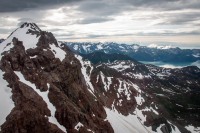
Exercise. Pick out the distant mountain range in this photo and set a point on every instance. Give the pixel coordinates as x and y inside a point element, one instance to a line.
<point>140,53</point>
<point>101,57</point>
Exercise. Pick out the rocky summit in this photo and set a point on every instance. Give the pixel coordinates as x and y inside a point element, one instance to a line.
<point>47,88</point>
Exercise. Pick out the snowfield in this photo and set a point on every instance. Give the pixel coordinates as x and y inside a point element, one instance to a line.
<point>84,72</point>
<point>58,52</point>
<point>6,104</point>
<point>124,124</point>
<point>22,35</point>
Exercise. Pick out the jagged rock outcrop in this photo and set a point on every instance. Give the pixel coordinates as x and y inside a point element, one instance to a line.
<point>1,40</point>
<point>67,90</point>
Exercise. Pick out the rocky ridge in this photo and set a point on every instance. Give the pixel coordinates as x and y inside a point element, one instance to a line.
<point>1,40</point>
<point>41,82</point>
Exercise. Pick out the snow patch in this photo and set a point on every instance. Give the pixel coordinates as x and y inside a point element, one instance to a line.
<point>6,103</point>
<point>154,111</point>
<point>139,99</point>
<point>75,47</point>
<point>124,124</point>
<point>196,55</point>
<point>6,47</point>
<point>90,130</point>
<point>99,46</point>
<point>78,126</point>
<point>137,75</point>
<point>196,63</point>
<point>193,129</point>
<point>124,88</point>
<point>33,56</point>
<point>140,76</point>
<point>176,130</point>
<point>29,40</point>
<point>159,128</point>
<point>84,72</point>
<point>58,52</point>
<point>135,47</point>
<point>140,115</point>
<point>120,66</point>
<point>108,83</point>
<point>159,46</point>
<point>136,87</point>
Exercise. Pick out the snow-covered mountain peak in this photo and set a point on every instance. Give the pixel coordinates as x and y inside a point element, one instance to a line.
<point>29,36</point>
<point>28,33</point>
<point>31,26</point>
<point>159,46</point>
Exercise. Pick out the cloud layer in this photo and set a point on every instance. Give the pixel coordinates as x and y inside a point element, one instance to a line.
<point>94,20</point>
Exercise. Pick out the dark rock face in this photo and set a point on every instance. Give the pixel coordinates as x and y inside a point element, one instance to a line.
<point>1,40</point>
<point>67,91</point>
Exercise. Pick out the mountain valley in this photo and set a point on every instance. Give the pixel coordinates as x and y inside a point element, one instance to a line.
<point>54,87</point>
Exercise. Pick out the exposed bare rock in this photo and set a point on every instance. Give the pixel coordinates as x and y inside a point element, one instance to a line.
<point>67,90</point>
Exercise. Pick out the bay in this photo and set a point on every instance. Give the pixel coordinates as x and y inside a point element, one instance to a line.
<point>172,64</point>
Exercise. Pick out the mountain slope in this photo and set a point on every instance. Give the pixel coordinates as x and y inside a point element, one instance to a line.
<point>159,97</point>
<point>48,89</point>
<point>54,90</point>
<point>101,57</point>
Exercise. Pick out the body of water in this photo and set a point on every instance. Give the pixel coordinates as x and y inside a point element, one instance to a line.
<point>172,65</point>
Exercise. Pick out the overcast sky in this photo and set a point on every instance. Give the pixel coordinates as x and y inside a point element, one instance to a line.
<point>145,21</point>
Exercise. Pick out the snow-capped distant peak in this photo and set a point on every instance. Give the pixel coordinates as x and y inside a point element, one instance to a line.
<point>159,47</point>
<point>31,26</point>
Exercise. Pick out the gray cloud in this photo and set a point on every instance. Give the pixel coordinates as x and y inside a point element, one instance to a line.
<point>171,18</point>
<point>180,18</point>
<point>64,34</point>
<point>22,20</point>
<point>104,7</point>
<point>21,5</point>
<point>93,36</point>
<point>5,30</point>
<point>89,20</point>
<point>166,33</point>
<point>109,9</point>
<point>98,11</point>
<point>90,36</point>
<point>113,35</point>
<point>165,4</point>
<point>99,6</point>
<point>169,33</point>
